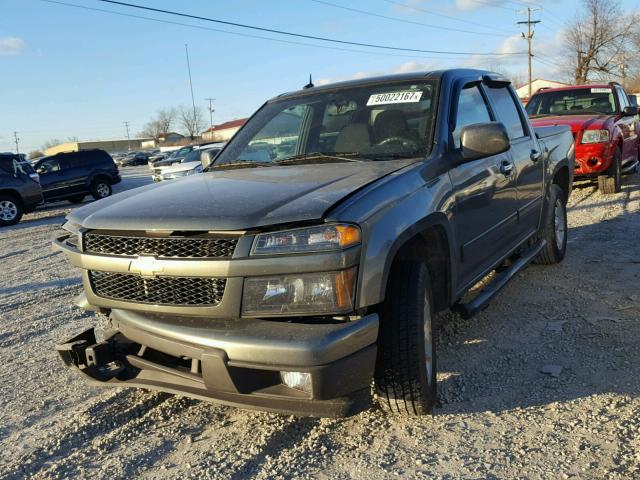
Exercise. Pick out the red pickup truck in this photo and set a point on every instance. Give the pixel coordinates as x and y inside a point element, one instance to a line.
<point>605,128</point>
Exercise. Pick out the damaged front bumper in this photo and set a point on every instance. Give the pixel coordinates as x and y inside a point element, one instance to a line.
<point>235,362</point>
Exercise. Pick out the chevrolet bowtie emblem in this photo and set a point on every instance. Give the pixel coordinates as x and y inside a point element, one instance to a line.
<point>146,266</point>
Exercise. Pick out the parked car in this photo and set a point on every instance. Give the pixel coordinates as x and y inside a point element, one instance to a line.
<point>176,156</point>
<point>159,156</point>
<point>605,126</point>
<point>74,175</point>
<point>289,278</point>
<point>191,164</point>
<point>134,158</point>
<point>20,191</point>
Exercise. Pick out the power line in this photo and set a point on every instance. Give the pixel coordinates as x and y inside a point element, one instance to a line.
<point>247,35</point>
<point>431,12</point>
<point>300,35</point>
<point>395,19</point>
<point>490,4</point>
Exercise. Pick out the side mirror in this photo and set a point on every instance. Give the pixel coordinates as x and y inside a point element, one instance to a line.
<point>629,111</point>
<point>482,140</point>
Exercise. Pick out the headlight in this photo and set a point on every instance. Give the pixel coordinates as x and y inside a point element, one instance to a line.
<point>312,239</point>
<point>595,136</point>
<point>307,293</point>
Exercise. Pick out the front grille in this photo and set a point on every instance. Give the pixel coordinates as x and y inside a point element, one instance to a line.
<point>158,291</point>
<point>164,247</point>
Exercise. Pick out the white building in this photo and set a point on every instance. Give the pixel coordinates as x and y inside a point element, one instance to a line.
<point>537,84</point>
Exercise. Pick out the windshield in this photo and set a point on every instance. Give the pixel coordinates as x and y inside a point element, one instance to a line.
<point>15,165</point>
<point>572,102</point>
<point>380,122</point>
<point>192,156</point>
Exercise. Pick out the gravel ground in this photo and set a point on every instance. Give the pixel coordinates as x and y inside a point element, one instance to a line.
<point>500,415</point>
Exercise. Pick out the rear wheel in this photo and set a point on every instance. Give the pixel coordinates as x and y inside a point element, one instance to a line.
<point>554,228</point>
<point>405,374</point>
<point>611,182</point>
<point>10,210</point>
<point>100,188</point>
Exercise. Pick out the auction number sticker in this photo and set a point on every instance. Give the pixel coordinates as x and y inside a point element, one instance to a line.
<point>409,96</point>
<point>600,90</point>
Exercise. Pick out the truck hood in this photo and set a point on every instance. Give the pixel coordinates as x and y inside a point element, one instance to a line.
<point>235,199</point>
<point>575,122</point>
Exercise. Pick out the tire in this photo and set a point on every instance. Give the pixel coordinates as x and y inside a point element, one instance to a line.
<point>77,199</point>
<point>405,373</point>
<point>100,188</point>
<point>554,228</point>
<point>10,210</point>
<point>611,182</point>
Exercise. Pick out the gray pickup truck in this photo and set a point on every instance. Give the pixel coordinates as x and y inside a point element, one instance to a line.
<point>301,272</point>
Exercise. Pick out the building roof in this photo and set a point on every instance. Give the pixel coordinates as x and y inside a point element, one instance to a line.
<point>230,124</point>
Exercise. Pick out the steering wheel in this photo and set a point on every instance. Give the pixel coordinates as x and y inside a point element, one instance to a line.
<point>404,141</point>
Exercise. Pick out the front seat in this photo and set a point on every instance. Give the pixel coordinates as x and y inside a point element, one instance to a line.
<point>353,138</point>
<point>390,123</point>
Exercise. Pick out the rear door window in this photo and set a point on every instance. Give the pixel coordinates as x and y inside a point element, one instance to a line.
<point>507,111</point>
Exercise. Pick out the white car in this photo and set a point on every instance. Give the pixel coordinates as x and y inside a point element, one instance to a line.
<point>191,164</point>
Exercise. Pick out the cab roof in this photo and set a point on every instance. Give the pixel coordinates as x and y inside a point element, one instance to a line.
<point>450,74</point>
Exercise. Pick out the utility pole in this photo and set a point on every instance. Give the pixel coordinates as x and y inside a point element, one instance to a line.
<point>17,140</point>
<point>126,125</point>
<point>211,110</point>
<point>529,38</point>
<point>193,101</point>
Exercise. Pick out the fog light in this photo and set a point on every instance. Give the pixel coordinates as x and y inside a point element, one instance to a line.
<point>592,162</point>
<point>298,380</point>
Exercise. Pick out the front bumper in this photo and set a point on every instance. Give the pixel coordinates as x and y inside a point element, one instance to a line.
<point>235,361</point>
<point>593,158</point>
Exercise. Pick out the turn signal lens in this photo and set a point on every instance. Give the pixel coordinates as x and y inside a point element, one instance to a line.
<point>310,239</point>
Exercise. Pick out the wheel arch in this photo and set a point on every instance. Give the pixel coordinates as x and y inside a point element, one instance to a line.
<point>429,240</point>
<point>14,193</point>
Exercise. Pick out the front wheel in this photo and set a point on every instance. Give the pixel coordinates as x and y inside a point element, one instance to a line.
<point>405,374</point>
<point>612,181</point>
<point>100,189</point>
<point>554,228</point>
<point>10,210</point>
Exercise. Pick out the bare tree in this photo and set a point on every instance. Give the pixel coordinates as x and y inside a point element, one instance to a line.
<point>165,119</point>
<point>151,129</point>
<point>72,139</point>
<point>599,41</point>
<point>51,143</point>
<point>160,124</point>
<point>191,120</point>
<point>35,154</point>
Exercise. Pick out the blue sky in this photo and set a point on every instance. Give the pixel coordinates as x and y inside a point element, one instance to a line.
<point>75,72</point>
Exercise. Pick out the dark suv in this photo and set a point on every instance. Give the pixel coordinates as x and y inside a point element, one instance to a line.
<point>19,189</point>
<point>73,175</point>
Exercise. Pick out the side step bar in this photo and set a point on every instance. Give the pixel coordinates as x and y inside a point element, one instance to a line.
<point>481,301</point>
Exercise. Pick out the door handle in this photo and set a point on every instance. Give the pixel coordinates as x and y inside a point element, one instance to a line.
<point>535,155</point>
<point>506,168</point>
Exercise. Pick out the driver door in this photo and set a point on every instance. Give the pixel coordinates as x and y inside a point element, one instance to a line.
<point>485,210</point>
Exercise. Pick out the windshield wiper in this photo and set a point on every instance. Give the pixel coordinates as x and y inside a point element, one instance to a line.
<point>312,156</point>
<point>244,164</point>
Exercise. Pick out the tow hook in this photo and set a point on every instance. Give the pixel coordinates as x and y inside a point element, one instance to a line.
<point>83,349</point>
